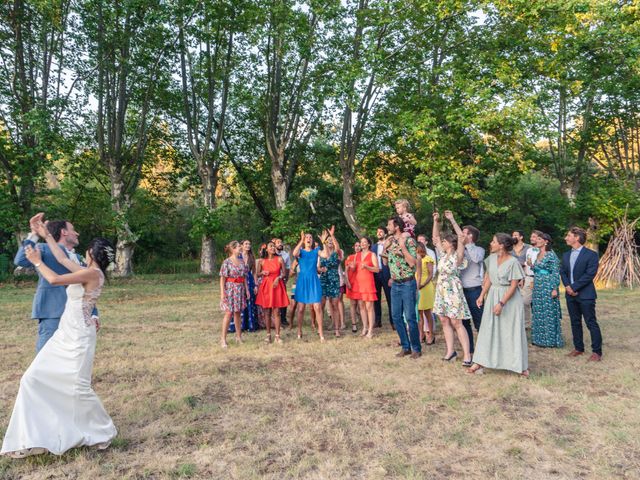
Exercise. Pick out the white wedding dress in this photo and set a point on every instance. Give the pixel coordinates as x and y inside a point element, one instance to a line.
<point>56,408</point>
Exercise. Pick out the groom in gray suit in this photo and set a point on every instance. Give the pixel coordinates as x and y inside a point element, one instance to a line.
<point>49,301</point>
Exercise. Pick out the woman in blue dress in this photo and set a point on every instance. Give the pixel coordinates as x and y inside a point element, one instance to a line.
<point>546,316</point>
<point>308,288</point>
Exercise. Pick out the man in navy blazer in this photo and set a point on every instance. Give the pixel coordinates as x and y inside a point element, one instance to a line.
<point>579,267</point>
<point>49,301</point>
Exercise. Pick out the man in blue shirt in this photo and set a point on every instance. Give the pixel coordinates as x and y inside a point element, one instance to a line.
<point>579,268</point>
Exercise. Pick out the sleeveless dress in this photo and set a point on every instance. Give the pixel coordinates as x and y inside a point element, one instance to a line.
<point>308,289</point>
<point>269,297</point>
<point>365,282</point>
<point>428,292</point>
<point>56,409</point>
<point>450,301</point>
<point>330,280</point>
<point>235,293</point>
<point>502,339</point>
<point>249,315</point>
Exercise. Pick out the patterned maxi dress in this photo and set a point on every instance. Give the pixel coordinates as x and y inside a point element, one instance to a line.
<point>235,296</point>
<point>330,280</point>
<point>450,301</point>
<point>546,329</point>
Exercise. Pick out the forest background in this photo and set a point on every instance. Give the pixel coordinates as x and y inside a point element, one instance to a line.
<point>174,126</point>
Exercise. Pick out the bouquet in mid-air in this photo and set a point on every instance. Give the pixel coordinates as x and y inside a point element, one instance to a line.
<point>309,194</point>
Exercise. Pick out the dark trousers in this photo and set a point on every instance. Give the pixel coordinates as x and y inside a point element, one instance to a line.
<point>579,309</point>
<point>471,295</point>
<point>382,283</point>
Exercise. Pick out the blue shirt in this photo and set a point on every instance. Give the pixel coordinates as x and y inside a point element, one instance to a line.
<point>572,260</point>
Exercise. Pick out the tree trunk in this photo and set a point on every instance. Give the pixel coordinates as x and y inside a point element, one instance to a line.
<point>279,181</point>
<point>209,179</point>
<point>125,245</point>
<point>348,208</point>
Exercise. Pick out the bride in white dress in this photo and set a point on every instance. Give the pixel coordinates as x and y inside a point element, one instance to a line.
<point>56,409</point>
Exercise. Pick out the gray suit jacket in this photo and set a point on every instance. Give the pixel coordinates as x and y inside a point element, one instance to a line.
<point>50,300</point>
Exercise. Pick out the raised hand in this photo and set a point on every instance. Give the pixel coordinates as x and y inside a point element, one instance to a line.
<point>436,216</point>
<point>33,254</point>
<point>38,225</point>
<point>332,230</point>
<point>301,235</point>
<point>448,215</point>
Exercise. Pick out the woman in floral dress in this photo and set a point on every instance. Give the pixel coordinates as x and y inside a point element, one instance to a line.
<point>546,328</point>
<point>330,278</point>
<point>450,304</point>
<point>233,290</point>
<point>250,313</point>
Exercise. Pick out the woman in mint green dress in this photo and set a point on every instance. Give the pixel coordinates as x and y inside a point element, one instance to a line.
<point>546,316</point>
<point>502,340</point>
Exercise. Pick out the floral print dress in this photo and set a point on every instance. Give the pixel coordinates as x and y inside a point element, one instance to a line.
<point>546,329</point>
<point>235,292</point>
<point>330,280</point>
<point>450,301</point>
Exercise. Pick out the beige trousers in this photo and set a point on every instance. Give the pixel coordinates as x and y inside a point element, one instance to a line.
<point>527,291</point>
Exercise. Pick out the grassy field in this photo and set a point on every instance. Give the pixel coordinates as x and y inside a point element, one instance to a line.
<point>346,409</point>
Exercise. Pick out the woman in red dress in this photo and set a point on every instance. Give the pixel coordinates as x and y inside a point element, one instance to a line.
<point>365,291</point>
<point>350,264</point>
<point>272,294</point>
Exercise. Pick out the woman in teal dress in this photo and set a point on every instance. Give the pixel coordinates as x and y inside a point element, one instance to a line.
<point>546,316</point>
<point>502,340</point>
<point>330,277</point>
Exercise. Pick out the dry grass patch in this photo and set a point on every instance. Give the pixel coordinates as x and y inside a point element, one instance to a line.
<point>185,408</point>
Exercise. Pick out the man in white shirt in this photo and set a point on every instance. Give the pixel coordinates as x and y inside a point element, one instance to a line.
<point>471,278</point>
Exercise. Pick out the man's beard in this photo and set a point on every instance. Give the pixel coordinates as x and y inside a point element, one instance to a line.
<point>280,248</point>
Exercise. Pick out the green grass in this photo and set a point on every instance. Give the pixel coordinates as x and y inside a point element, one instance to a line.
<point>185,408</point>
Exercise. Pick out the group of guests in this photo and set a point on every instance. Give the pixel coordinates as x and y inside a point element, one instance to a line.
<point>500,296</point>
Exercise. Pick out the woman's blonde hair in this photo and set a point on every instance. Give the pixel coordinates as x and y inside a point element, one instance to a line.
<point>230,246</point>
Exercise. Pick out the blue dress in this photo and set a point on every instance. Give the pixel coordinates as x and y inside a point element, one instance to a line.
<point>308,289</point>
<point>249,315</point>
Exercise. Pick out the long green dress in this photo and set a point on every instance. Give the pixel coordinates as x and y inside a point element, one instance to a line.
<point>546,330</point>
<point>502,340</point>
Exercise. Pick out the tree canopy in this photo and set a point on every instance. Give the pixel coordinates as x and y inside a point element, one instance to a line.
<point>175,126</point>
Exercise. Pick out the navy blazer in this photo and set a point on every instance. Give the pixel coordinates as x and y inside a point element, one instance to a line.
<point>584,271</point>
<point>50,300</point>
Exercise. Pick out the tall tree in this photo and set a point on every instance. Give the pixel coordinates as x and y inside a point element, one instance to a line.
<point>289,84</point>
<point>127,46</point>
<point>205,52</point>
<point>36,91</point>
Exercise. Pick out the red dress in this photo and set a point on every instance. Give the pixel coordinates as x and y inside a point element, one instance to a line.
<point>269,297</point>
<point>351,275</point>
<point>365,287</point>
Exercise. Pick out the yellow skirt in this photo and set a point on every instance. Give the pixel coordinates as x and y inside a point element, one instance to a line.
<point>427,296</point>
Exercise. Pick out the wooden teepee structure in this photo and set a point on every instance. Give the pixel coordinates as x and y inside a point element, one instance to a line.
<point>620,264</point>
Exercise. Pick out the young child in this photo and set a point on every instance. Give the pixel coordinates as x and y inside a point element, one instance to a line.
<point>402,209</point>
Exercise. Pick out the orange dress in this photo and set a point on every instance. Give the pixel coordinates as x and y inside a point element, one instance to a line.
<point>365,288</point>
<point>351,275</point>
<point>268,296</point>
